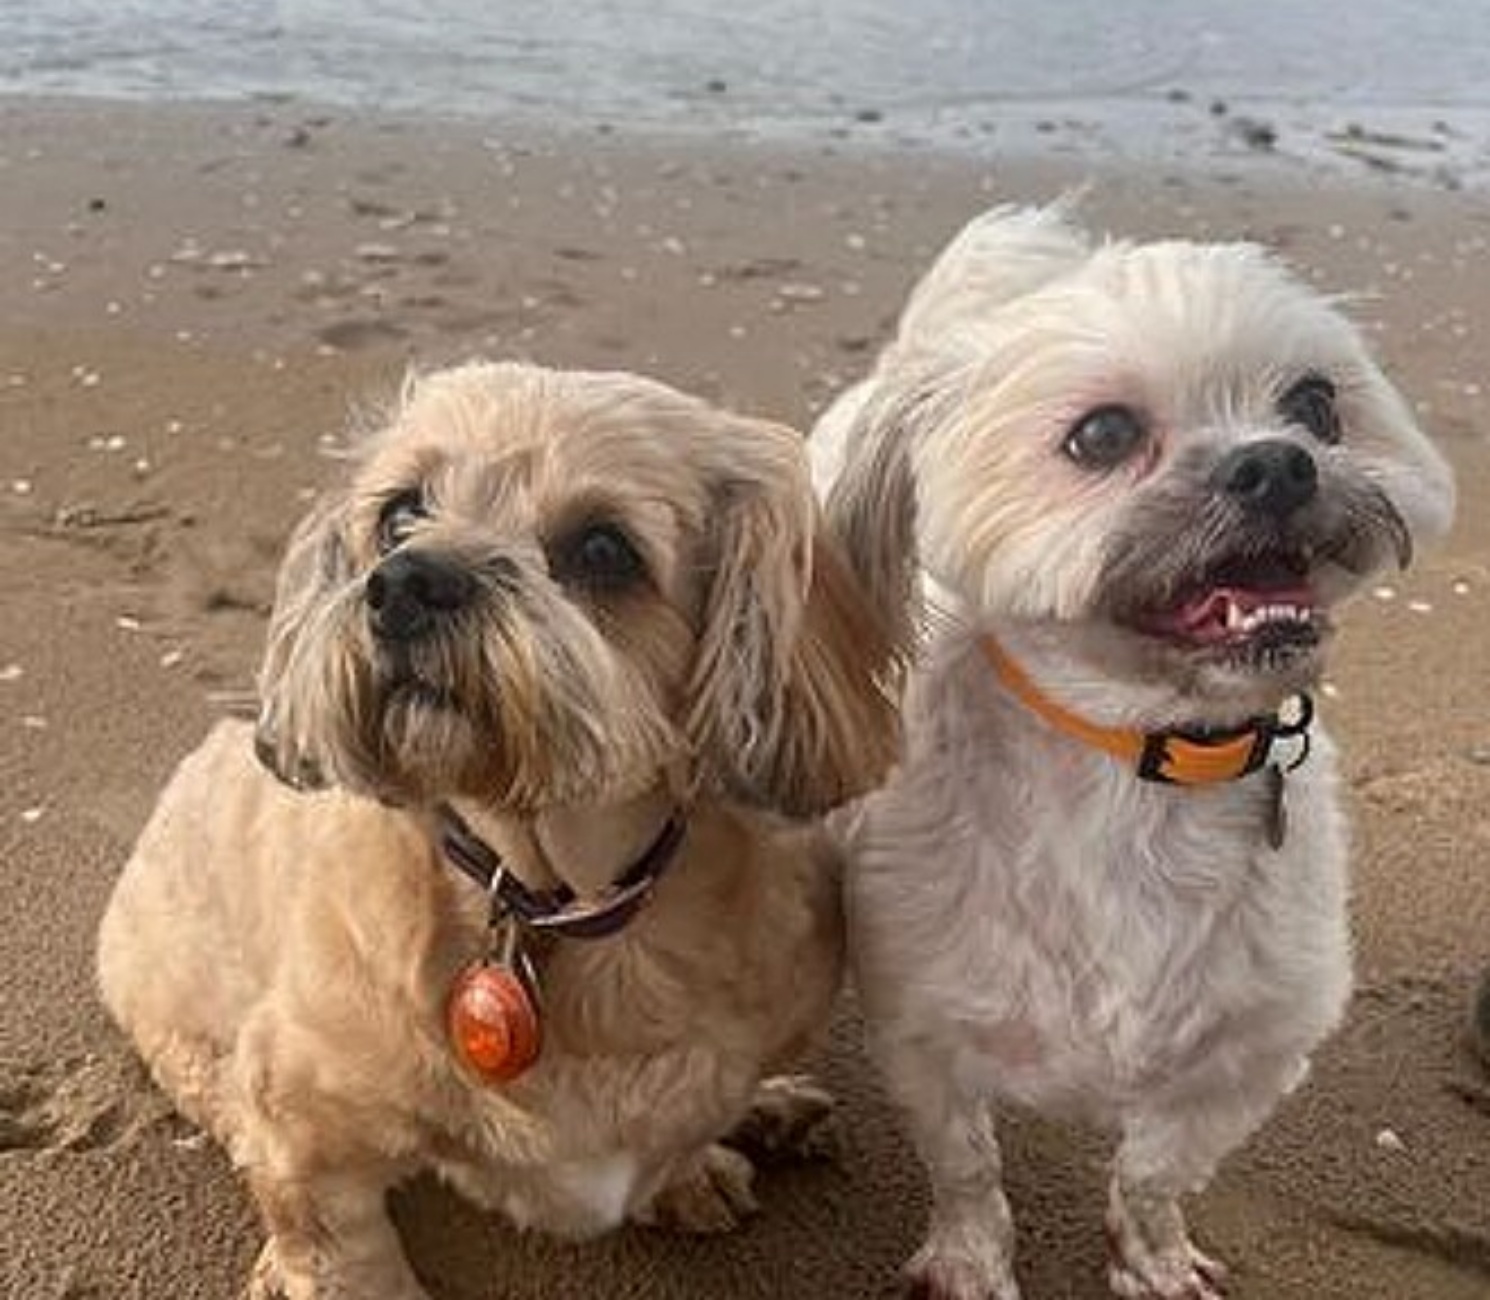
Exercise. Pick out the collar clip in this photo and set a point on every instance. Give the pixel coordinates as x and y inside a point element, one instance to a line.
<point>1196,757</point>
<point>559,911</point>
<point>1178,756</point>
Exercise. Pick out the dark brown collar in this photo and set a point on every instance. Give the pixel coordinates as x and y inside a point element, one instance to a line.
<point>559,911</point>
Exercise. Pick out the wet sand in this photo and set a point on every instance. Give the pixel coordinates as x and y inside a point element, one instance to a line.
<point>193,302</point>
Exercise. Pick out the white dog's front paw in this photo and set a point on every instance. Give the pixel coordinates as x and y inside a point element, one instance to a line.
<point>709,1193</point>
<point>1175,1271</point>
<point>943,1270</point>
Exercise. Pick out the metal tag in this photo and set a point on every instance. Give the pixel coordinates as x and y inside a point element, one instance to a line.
<point>1277,809</point>
<point>504,944</point>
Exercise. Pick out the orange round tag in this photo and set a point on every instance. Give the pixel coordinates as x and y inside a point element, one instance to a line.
<point>493,1022</point>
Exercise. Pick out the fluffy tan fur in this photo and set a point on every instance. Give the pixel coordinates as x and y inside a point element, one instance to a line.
<point>282,957</point>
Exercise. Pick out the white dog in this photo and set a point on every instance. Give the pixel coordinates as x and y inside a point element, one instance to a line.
<point>1127,486</point>
<point>564,647</point>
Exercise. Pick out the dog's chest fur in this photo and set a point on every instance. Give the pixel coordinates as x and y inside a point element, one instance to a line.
<point>657,1037</point>
<point>1063,934</point>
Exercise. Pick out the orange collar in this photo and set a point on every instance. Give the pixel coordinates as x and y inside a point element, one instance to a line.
<point>1193,756</point>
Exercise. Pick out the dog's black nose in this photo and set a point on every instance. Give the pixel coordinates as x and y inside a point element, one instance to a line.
<point>1270,477</point>
<point>410,590</point>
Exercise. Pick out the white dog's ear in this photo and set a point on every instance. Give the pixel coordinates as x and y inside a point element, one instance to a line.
<point>871,506</point>
<point>791,705</point>
<point>315,566</point>
<point>1000,255</point>
<point>1401,460</point>
<point>918,383</point>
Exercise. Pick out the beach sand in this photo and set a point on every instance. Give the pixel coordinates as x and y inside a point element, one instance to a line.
<point>195,303</point>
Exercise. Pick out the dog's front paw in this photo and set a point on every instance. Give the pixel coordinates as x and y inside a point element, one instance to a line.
<point>708,1193</point>
<point>791,1118</point>
<point>1190,1275</point>
<point>1175,1271</point>
<point>271,1281</point>
<point>267,1282</point>
<point>956,1271</point>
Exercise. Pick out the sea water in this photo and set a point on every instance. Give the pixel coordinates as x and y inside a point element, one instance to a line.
<point>1394,84</point>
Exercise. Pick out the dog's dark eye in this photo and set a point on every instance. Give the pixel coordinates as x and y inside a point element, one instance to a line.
<point>1311,403</point>
<point>1105,438</point>
<point>397,519</point>
<point>599,556</point>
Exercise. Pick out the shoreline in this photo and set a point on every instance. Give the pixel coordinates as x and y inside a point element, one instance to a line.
<point>196,303</point>
<point>1345,141</point>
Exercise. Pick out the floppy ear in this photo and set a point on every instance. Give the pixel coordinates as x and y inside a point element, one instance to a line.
<point>920,379</point>
<point>314,568</point>
<point>1403,464</point>
<point>871,506</point>
<point>1000,255</point>
<point>791,699</point>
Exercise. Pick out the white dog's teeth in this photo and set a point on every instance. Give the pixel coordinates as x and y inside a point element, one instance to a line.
<point>1279,614</point>
<point>1239,620</point>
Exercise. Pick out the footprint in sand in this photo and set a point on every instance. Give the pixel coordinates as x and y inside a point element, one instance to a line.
<point>89,1103</point>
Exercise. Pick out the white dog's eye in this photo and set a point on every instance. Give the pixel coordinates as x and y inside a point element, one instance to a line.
<point>598,556</point>
<point>1311,403</point>
<point>1105,438</point>
<point>396,520</point>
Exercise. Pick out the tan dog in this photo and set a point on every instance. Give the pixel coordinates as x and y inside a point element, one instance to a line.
<point>1132,485</point>
<point>579,630</point>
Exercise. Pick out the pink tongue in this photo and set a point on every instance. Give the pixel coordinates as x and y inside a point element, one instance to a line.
<point>1204,617</point>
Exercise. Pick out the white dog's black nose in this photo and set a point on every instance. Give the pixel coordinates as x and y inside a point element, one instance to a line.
<point>410,591</point>
<point>1270,477</point>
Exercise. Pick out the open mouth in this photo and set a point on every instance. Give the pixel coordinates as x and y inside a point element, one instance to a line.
<point>1261,601</point>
